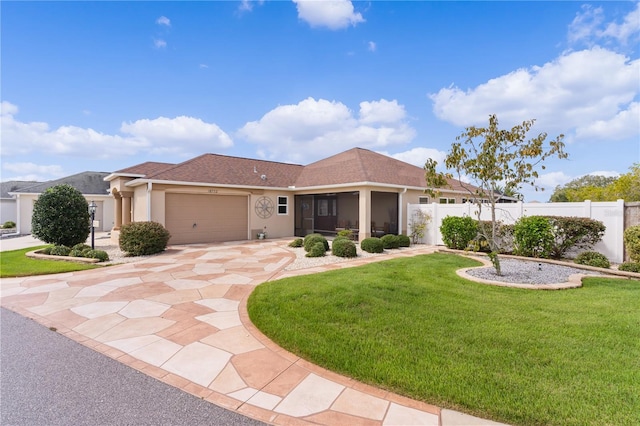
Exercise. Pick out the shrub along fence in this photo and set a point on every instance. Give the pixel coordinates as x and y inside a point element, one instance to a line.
<point>611,214</point>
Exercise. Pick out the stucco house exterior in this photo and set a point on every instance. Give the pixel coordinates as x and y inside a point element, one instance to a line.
<point>8,203</point>
<point>215,198</point>
<point>92,186</point>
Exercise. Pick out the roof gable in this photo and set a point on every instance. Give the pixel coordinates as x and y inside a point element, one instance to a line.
<point>13,186</point>
<point>226,170</point>
<point>85,182</point>
<point>361,165</point>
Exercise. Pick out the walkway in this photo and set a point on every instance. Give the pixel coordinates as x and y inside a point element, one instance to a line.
<point>181,317</point>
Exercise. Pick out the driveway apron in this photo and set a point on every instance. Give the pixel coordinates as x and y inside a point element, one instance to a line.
<point>181,317</point>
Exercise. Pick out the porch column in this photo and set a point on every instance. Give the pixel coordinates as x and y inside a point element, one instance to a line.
<point>117,206</point>
<point>364,214</point>
<point>126,207</point>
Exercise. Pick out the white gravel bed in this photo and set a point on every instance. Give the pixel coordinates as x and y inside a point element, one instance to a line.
<point>113,250</point>
<point>528,272</point>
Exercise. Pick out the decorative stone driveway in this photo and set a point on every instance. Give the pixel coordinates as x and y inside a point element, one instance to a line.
<point>181,317</point>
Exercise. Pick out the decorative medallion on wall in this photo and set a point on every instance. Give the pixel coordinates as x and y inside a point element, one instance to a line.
<point>264,207</point>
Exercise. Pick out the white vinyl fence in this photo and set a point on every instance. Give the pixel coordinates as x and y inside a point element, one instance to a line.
<point>609,213</point>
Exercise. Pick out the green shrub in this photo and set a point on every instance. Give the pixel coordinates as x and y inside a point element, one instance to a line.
<point>101,255</point>
<point>343,247</point>
<point>296,243</point>
<point>46,250</point>
<point>76,253</point>
<point>9,224</point>
<point>404,240</point>
<point>317,250</point>
<point>372,245</point>
<point>632,242</point>
<point>533,237</point>
<point>311,239</point>
<point>81,247</point>
<point>61,216</point>
<point>458,231</point>
<point>346,233</point>
<point>630,267</point>
<point>593,258</point>
<point>143,238</point>
<point>574,232</point>
<point>59,251</point>
<point>390,241</point>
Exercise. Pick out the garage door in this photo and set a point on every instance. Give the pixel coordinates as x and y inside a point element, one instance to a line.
<point>206,218</point>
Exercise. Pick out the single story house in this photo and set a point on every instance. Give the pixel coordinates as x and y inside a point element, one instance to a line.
<point>92,186</point>
<point>215,198</point>
<point>8,203</point>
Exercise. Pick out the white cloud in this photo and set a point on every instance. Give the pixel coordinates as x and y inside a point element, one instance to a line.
<point>247,5</point>
<point>333,14</point>
<point>567,94</point>
<point>381,111</point>
<point>628,29</point>
<point>33,172</point>
<point>173,135</point>
<point>180,136</point>
<point>625,124</point>
<point>163,20</point>
<point>589,27</point>
<point>585,24</point>
<point>371,46</point>
<point>418,156</point>
<point>159,43</point>
<point>313,128</point>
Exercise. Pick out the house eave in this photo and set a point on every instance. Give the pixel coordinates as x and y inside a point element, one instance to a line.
<point>113,176</point>
<point>139,182</point>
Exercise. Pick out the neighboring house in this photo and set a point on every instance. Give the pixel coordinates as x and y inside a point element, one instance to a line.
<point>213,198</point>
<point>91,184</point>
<point>8,203</point>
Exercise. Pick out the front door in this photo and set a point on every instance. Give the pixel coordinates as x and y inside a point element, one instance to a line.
<point>326,213</point>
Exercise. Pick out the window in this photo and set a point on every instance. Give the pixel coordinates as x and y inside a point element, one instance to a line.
<point>447,200</point>
<point>423,200</point>
<point>283,205</point>
<point>323,207</point>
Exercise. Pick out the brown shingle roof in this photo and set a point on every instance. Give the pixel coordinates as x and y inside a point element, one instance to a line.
<point>226,170</point>
<point>356,165</point>
<point>363,165</point>
<point>147,168</point>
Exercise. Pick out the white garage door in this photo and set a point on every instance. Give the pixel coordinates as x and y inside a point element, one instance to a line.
<point>206,218</point>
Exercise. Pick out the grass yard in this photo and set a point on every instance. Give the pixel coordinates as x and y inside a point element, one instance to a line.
<point>16,264</point>
<point>412,326</point>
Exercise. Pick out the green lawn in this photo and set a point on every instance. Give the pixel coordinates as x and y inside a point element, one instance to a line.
<point>16,264</point>
<point>411,325</point>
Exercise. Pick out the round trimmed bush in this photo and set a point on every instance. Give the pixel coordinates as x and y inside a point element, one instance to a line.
<point>143,238</point>
<point>311,239</point>
<point>629,267</point>
<point>390,241</point>
<point>404,240</point>
<point>533,237</point>
<point>593,258</point>
<point>101,255</point>
<point>458,231</point>
<point>296,243</point>
<point>76,253</point>
<point>317,250</point>
<point>372,245</point>
<point>9,224</point>
<point>59,251</point>
<point>343,247</point>
<point>61,216</point>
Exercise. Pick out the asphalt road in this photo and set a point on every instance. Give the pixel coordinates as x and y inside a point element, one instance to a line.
<point>48,379</point>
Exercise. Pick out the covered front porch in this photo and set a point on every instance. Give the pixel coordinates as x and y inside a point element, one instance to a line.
<point>365,212</point>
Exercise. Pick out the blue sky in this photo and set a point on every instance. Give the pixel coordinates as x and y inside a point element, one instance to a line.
<point>105,85</point>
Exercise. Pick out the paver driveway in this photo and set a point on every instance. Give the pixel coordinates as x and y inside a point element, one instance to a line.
<point>181,317</point>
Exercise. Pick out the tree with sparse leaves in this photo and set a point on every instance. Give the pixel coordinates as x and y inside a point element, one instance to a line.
<point>61,216</point>
<point>494,158</point>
